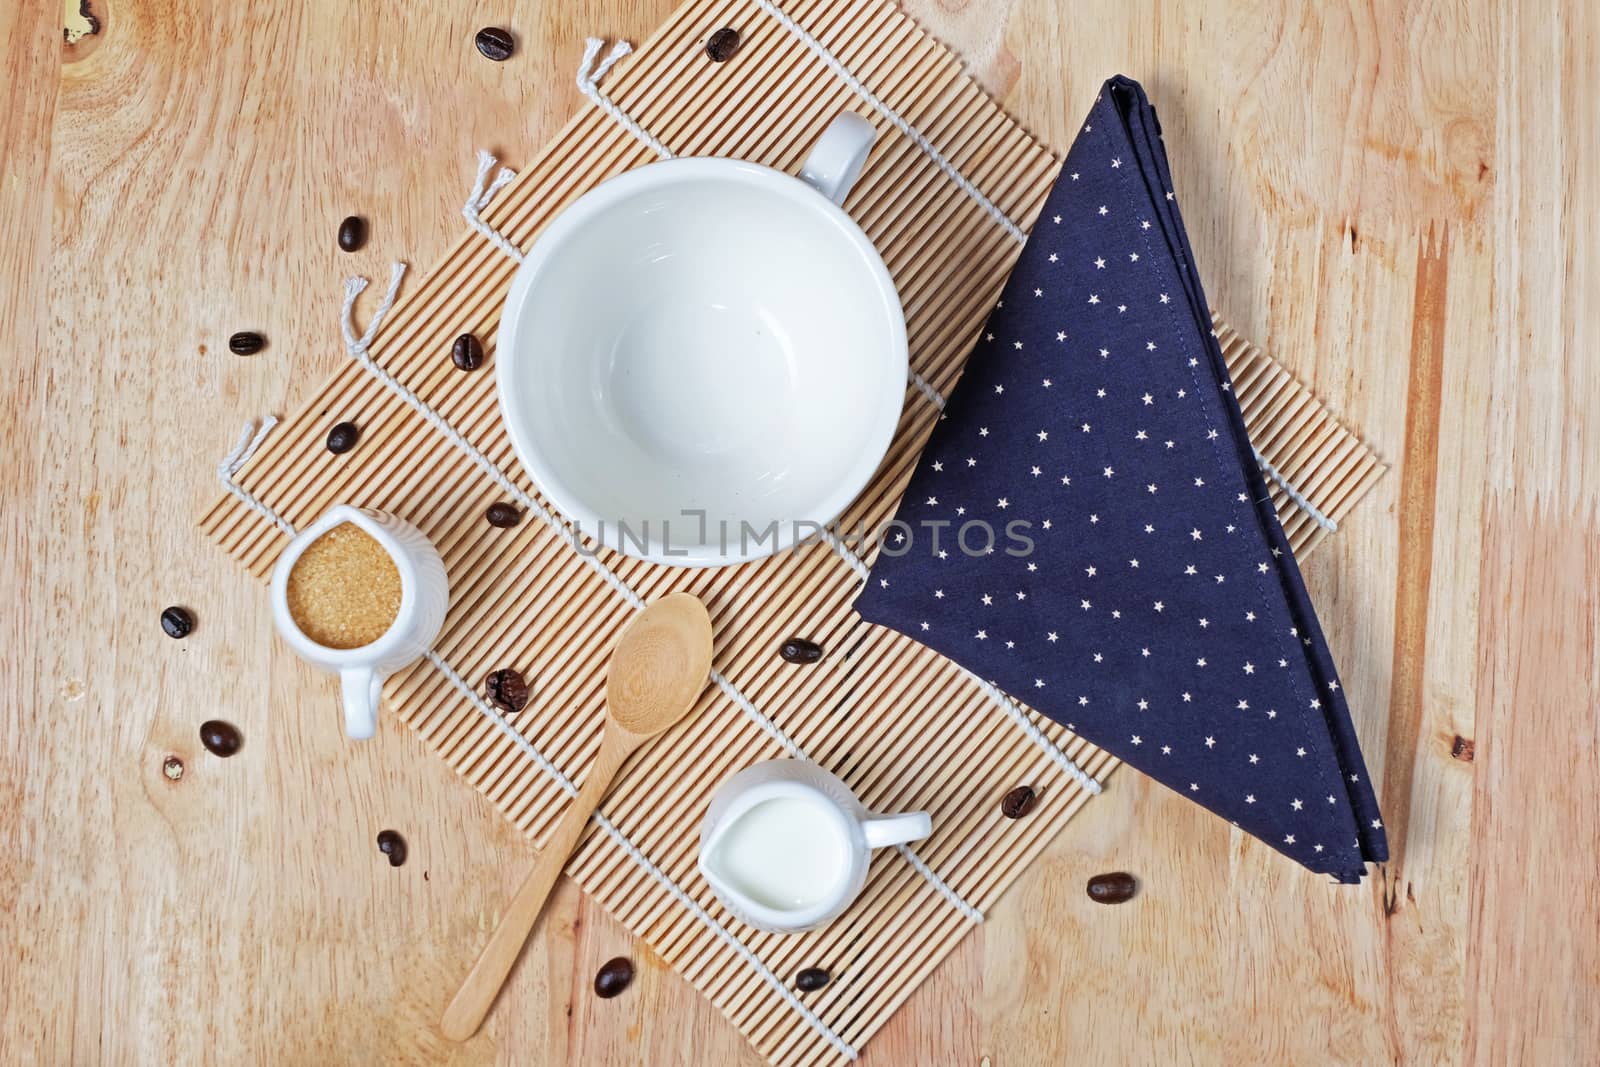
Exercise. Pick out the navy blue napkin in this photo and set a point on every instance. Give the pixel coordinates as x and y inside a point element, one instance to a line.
<point>1138,586</point>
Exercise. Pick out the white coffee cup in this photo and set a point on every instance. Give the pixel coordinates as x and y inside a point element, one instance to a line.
<point>786,846</point>
<point>698,344</point>
<point>424,598</point>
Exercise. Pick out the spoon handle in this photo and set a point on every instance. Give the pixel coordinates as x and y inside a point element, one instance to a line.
<point>476,995</point>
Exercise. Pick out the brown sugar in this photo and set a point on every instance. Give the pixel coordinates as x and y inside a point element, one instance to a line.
<point>344,590</point>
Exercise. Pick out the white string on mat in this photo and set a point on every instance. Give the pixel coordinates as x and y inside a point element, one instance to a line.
<point>588,78</point>
<point>846,553</point>
<point>899,122</point>
<point>353,288</point>
<point>483,191</point>
<point>249,441</point>
<point>932,395</point>
<point>1294,494</point>
<point>1017,715</point>
<point>490,712</point>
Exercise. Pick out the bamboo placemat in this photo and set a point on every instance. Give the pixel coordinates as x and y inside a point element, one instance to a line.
<point>906,728</point>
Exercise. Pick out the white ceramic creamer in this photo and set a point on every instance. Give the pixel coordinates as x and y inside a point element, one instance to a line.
<point>786,846</point>
<point>424,599</point>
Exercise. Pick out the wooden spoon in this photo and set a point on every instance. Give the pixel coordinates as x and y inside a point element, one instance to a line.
<point>658,668</point>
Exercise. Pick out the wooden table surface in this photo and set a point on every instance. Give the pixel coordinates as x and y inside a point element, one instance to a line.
<point>1396,199</point>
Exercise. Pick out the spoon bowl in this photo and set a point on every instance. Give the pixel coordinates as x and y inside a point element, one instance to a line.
<point>659,666</point>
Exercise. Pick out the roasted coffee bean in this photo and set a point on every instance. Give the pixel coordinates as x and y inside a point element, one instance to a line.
<point>495,43</point>
<point>1113,888</point>
<point>502,515</point>
<point>721,46</point>
<point>177,622</point>
<point>343,437</point>
<point>812,979</point>
<point>799,650</point>
<point>506,690</point>
<point>246,343</point>
<point>613,977</point>
<point>220,738</point>
<point>352,233</point>
<point>467,352</point>
<point>172,767</point>
<point>391,844</point>
<point>1018,802</point>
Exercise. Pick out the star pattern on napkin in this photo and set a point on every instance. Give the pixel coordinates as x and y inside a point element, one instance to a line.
<point>1107,549</point>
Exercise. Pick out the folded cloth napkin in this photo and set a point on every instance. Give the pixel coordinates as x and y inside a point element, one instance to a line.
<point>1107,550</point>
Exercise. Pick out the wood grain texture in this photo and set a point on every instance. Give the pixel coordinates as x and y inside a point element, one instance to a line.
<point>181,173</point>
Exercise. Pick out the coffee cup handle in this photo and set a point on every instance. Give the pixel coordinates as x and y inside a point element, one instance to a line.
<point>361,687</point>
<point>836,160</point>
<point>884,830</point>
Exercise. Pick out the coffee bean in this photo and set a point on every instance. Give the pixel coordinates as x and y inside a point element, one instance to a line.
<point>502,515</point>
<point>812,979</point>
<point>613,977</point>
<point>220,738</point>
<point>506,690</point>
<point>352,233</point>
<point>246,343</point>
<point>1113,888</point>
<point>343,437</point>
<point>1018,802</point>
<point>177,622</point>
<point>172,767</point>
<point>799,650</point>
<point>495,43</point>
<point>721,46</point>
<point>467,352</point>
<point>391,844</point>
